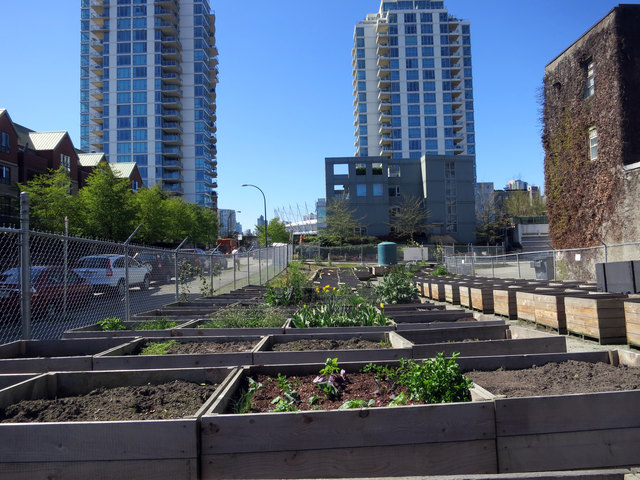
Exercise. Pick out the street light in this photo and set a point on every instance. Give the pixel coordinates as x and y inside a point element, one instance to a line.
<point>265,211</point>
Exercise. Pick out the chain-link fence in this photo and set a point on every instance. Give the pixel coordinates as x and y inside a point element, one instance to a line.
<point>577,264</point>
<point>73,282</point>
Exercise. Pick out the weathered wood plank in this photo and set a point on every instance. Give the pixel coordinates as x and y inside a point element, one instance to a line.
<point>315,430</point>
<point>172,469</point>
<point>570,450</point>
<point>555,344</point>
<point>480,332</point>
<point>433,459</point>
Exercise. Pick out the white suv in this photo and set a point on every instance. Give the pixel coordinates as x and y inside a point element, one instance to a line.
<point>106,273</point>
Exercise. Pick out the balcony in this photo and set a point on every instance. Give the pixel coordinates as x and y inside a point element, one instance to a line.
<point>96,117</point>
<point>171,151</point>
<point>169,89</point>
<point>172,4</point>
<point>96,93</point>
<point>97,106</point>
<point>382,49</point>
<point>213,61</point>
<point>171,41</point>
<point>165,13</point>
<point>97,6</point>
<point>457,113</point>
<point>385,140</point>
<point>384,71</point>
<point>171,102</point>
<point>385,128</point>
<point>211,183</point>
<point>172,177</point>
<point>96,69</point>
<point>384,118</point>
<point>382,27</point>
<point>172,188</point>
<point>171,127</point>
<point>97,45</point>
<point>384,94</point>
<point>384,106</point>
<point>171,115</point>
<point>171,66</point>
<point>386,152</point>
<point>166,27</point>
<point>172,164</point>
<point>171,78</point>
<point>384,83</point>
<point>170,53</point>
<point>97,81</point>
<point>171,139</point>
<point>96,130</point>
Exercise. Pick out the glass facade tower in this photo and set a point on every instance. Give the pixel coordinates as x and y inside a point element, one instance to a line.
<point>148,75</point>
<point>412,82</point>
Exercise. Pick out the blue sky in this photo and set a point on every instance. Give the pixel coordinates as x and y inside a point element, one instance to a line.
<point>284,101</point>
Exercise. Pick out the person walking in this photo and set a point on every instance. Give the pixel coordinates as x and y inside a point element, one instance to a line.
<point>236,259</point>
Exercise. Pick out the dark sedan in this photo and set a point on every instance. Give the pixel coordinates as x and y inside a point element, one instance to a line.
<point>48,291</point>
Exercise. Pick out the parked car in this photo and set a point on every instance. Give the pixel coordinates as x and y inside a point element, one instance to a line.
<point>106,273</point>
<point>47,291</point>
<point>218,258</point>
<point>161,265</point>
<point>196,257</point>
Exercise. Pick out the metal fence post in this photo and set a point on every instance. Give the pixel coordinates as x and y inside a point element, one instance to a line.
<point>493,268</point>
<point>260,266</point>
<point>235,259</point>
<point>127,298</point>
<point>248,270</point>
<point>175,268</point>
<point>65,244</point>
<point>25,267</point>
<point>518,262</point>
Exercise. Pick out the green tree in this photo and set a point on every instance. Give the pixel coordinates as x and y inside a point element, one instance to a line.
<point>107,206</point>
<point>275,230</point>
<point>50,200</point>
<point>185,219</point>
<point>151,213</point>
<point>410,218</point>
<point>519,204</point>
<point>341,222</point>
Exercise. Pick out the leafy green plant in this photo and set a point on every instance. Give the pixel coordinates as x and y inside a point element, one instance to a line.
<point>349,404</point>
<point>243,403</point>
<point>112,323</point>
<point>436,380</point>
<point>440,270</point>
<point>396,287</point>
<point>254,316</point>
<point>160,324</point>
<point>331,315</point>
<point>158,348</point>
<point>330,379</point>
<point>288,401</point>
<point>291,289</point>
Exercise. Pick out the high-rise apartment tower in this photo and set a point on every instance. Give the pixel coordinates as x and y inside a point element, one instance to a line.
<point>412,82</point>
<point>147,91</point>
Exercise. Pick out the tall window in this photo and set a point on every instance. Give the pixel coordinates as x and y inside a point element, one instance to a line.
<point>593,144</point>
<point>65,161</point>
<point>590,86</point>
<point>5,142</point>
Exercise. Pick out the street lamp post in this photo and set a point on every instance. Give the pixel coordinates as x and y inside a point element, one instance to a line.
<point>266,244</point>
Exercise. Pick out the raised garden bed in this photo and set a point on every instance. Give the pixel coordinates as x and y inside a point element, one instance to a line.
<point>371,442</point>
<point>564,431</point>
<point>132,329</point>
<point>480,331</point>
<point>599,316</point>
<point>429,316</point>
<point>526,304</point>
<point>229,351</point>
<point>36,356</point>
<point>471,347</point>
<point>315,348</point>
<point>118,448</point>
<point>632,321</point>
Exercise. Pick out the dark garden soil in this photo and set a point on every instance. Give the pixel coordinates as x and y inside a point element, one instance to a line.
<point>558,379</point>
<point>354,343</point>
<point>359,386</point>
<point>176,399</point>
<point>205,347</point>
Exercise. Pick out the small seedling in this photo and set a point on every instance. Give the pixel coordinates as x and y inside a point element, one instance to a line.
<point>331,378</point>
<point>113,323</point>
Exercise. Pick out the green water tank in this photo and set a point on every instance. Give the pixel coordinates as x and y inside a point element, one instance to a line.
<point>387,253</point>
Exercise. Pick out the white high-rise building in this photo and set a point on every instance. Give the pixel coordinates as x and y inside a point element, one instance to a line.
<point>147,91</point>
<point>412,82</point>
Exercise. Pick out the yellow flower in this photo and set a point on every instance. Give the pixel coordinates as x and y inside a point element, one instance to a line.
<point>334,289</point>
<point>381,305</point>
<point>317,289</point>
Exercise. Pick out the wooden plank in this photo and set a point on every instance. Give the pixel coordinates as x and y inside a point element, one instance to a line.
<point>431,316</point>
<point>98,441</point>
<point>570,450</point>
<point>400,327</point>
<point>493,347</point>
<point>408,460</point>
<point>452,293</point>
<point>318,356</point>
<point>158,469</point>
<point>315,430</point>
<point>567,413</point>
<point>512,362</point>
<point>465,296</point>
<point>146,362</point>
<point>480,332</point>
<point>41,365</point>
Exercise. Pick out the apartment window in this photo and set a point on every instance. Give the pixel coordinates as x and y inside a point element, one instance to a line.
<point>590,86</point>
<point>593,144</point>
<point>134,185</point>
<point>5,142</point>
<point>5,175</point>
<point>65,161</point>
<point>361,190</point>
<point>394,190</point>
<point>376,168</point>
<point>360,230</point>
<point>341,169</point>
<point>393,171</point>
<point>361,168</point>
<point>377,189</point>
<point>341,190</point>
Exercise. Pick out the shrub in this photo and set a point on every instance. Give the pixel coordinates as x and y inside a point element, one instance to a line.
<point>396,287</point>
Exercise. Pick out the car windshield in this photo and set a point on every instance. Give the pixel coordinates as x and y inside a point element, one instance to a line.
<point>13,276</point>
<point>94,262</point>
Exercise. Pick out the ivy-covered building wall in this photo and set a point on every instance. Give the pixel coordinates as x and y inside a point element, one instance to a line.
<point>591,135</point>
